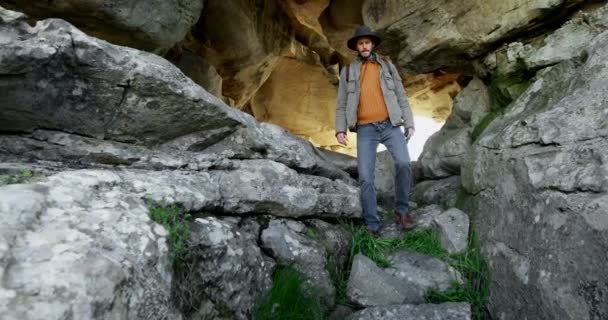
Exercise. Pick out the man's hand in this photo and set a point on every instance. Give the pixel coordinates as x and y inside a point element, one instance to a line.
<point>409,133</point>
<point>341,137</point>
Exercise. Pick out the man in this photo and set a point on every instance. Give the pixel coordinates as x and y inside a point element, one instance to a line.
<point>372,102</point>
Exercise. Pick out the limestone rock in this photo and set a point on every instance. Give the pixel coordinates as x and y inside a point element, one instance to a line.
<point>426,36</point>
<point>424,216</point>
<point>443,311</point>
<point>147,25</point>
<point>565,43</point>
<point>428,273</point>
<point>369,285</point>
<point>60,150</point>
<point>199,70</point>
<point>72,247</point>
<point>343,161</point>
<point>453,229</point>
<point>287,242</point>
<point>56,77</point>
<point>443,192</point>
<point>262,140</point>
<point>230,271</point>
<point>471,105</point>
<point>539,176</point>
<point>445,150</point>
<point>336,240</point>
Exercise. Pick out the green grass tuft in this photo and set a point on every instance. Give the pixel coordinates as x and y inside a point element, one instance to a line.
<point>175,221</point>
<point>26,172</point>
<point>423,241</point>
<point>289,298</point>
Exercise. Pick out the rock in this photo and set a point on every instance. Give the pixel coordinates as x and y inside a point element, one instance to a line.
<point>565,43</point>
<point>443,311</point>
<point>246,48</point>
<point>62,150</point>
<point>444,153</point>
<point>445,150</point>
<point>443,192</point>
<point>340,313</point>
<point>453,229</point>
<point>427,273</point>
<point>471,105</point>
<point>425,215</point>
<point>151,25</point>
<point>269,187</point>
<point>287,242</point>
<point>336,240</point>
<point>81,247</point>
<point>343,161</point>
<point>263,140</point>
<point>434,35</point>
<point>232,186</point>
<point>230,272</point>
<point>539,177</point>
<point>369,285</point>
<point>199,70</point>
<point>58,78</point>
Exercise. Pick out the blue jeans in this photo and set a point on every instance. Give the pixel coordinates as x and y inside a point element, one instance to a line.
<point>368,138</point>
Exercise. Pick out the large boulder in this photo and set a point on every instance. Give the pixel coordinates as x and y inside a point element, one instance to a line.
<point>445,150</point>
<point>567,42</point>
<point>56,77</point>
<point>199,70</point>
<point>443,311</point>
<point>452,227</point>
<point>539,186</point>
<point>443,192</point>
<point>426,36</point>
<point>230,274</point>
<point>262,141</point>
<point>147,25</point>
<point>81,247</point>
<point>369,285</point>
<point>428,273</point>
<point>289,242</point>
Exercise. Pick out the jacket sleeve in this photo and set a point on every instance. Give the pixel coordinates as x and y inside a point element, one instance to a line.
<point>406,111</point>
<point>341,103</point>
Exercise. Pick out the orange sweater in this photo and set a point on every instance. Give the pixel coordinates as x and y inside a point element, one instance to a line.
<point>372,107</point>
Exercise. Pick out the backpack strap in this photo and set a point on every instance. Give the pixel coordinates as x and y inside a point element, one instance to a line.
<point>388,61</point>
<point>347,72</point>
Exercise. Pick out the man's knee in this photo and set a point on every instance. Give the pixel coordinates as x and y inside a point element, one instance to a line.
<point>402,164</point>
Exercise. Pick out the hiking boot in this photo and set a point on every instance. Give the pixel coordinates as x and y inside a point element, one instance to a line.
<point>406,221</point>
<point>373,233</point>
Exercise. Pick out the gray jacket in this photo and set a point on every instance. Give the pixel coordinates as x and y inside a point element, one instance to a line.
<point>399,110</point>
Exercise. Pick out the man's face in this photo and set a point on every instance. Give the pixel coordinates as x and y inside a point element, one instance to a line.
<point>365,46</point>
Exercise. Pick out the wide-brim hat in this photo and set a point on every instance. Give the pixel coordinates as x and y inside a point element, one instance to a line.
<point>363,31</point>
